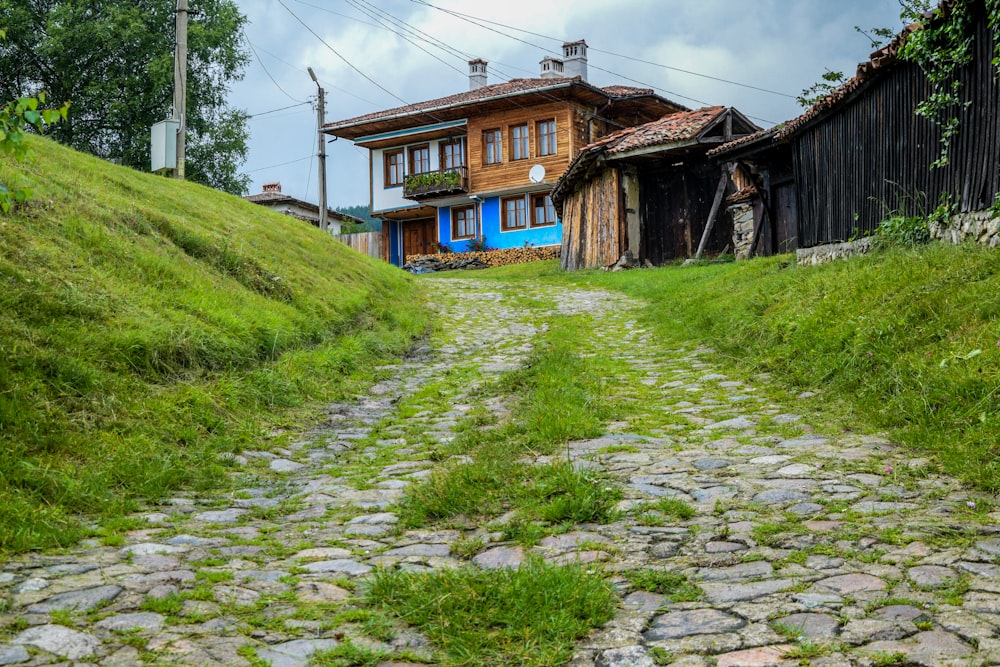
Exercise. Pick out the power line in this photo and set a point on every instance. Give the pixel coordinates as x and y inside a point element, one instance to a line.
<point>264,113</point>
<point>264,67</point>
<point>325,83</point>
<point>610,53</point>
<point>274,166</point>
<point>345,60</point>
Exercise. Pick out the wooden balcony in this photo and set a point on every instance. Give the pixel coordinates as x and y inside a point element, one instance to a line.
<point>431,184</point>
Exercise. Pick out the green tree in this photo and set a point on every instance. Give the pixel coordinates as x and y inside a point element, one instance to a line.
<point>113,59</point>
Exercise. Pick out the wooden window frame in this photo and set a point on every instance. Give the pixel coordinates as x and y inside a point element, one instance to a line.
<point>547,206</point>
<point>412,152</point>
<point>543,137</point>
<point>388,170</point>
<point>492,148</point>
<point>442,154</point>
<point>470,211</point>
<point>504,227</point>
<point>520,144</point>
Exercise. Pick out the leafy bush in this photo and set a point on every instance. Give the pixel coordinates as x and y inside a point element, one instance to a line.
<point>903,231</point>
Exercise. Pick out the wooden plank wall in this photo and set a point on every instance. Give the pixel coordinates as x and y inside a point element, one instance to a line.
<point>488,178</point>
<point>593,223</point>
<point>367,243</point>
<point>872,158</point>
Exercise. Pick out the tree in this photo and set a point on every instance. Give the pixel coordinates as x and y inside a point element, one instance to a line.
<point>113,59</point>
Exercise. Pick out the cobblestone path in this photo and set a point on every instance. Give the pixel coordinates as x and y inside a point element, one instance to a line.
<point>810,548</point>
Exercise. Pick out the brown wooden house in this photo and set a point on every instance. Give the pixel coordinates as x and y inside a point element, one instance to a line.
<point>647,191</point>
<point>479,166</point>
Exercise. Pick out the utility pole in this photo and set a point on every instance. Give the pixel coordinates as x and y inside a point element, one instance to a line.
<point>320,121</point>
<point>180,81</point>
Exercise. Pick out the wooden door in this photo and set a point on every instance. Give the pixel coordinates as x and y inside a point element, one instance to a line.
<point>419,237</point>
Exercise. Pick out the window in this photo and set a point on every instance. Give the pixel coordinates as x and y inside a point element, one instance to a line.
<point>519,142</point>
<point>453,153</point>
<point>542,211</point>
<point>463,222</point>
<point>546,133</point>
<point>514,214</point>
<point>492,147</point>
<point>420,159</point>
<point>393,168</point>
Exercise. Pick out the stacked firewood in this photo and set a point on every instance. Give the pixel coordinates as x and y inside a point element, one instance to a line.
<point>490,258</point>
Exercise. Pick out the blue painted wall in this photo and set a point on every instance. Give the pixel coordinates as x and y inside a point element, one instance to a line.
<point>395,242</point>
<point>539,236</point>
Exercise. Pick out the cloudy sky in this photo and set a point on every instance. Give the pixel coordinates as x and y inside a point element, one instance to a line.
<point>695,52</point>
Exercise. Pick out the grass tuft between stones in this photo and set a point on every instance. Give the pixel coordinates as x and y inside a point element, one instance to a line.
<point>529,616</point>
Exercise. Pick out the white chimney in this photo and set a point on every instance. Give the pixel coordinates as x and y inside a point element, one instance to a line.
<point>552,68</point>
<point>575,59</point>
<point>477,73</point>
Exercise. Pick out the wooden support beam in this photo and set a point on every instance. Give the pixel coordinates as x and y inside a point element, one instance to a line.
<point>716,204</point>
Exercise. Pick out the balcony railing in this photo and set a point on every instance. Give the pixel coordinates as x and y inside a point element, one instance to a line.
<point>436,183</point>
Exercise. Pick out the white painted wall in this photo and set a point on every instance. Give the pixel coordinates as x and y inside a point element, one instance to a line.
<point>385,199</point>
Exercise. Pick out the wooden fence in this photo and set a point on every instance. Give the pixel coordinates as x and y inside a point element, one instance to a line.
<point>367,243</point>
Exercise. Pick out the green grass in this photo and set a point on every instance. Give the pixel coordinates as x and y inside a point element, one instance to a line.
<point>529,616</point>
<point>559,398</point>
<point>905,341</point>
<point>147,326</point>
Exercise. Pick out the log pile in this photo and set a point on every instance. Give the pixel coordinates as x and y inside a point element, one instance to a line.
<point>489,258</point>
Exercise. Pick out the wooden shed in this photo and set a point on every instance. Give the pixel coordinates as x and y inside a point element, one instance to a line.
<point>764,203</point>
<point>863,153</point>
<point>648,191</point>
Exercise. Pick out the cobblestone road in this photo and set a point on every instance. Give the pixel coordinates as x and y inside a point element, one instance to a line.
<point>801,539</point>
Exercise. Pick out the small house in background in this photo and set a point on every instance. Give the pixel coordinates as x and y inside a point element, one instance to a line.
<point>763,205</point>
<point>648,192</point>
<point>273,198</point>
<point>478,166</point>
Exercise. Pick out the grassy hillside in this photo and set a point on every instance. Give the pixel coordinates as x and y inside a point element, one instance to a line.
<point>148,325</point>
<point>903,341</point>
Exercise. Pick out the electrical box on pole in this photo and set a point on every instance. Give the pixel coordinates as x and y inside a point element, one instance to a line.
<point>163,145</point>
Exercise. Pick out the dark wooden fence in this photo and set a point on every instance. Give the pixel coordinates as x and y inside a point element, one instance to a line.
<point>872,157</point>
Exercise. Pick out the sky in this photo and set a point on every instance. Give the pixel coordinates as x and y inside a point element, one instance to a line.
<point>755,57</point>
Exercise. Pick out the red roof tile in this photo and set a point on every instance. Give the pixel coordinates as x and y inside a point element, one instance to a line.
<point>497,90</point>
<point>680,126</point>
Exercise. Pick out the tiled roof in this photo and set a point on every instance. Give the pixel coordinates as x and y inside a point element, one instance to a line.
<point>682,126</point>
<point>497,90</point>
<point>268,197</point>
<point>761,136</point>
<point>486,92</point>
<point>627,91</point>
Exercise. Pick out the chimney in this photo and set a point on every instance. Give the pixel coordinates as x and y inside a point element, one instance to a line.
<point>271,187</point>
<point>477,73</point>
<point>575,59</point>
<point>552,68</point>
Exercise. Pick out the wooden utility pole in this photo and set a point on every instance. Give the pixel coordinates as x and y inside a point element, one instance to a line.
<point>180,81</point>
<point>320,121</point>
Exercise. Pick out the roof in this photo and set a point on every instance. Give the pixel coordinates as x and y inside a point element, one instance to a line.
<point>454,106</point>
<point>759,139</point>
<point>671,132</point>
<point>268,198</point>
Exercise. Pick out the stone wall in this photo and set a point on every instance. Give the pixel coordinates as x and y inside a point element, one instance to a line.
<point>827,253</point>
<point>977,227</point>
<point>742,215</point>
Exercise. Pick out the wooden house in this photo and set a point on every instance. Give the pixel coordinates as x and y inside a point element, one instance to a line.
<point>479,166</point>
<point>273,198</point>
<point>649,191</point>
<point>863,153</point>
